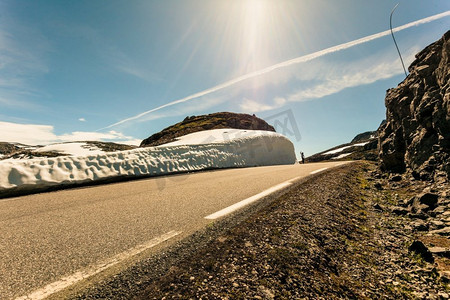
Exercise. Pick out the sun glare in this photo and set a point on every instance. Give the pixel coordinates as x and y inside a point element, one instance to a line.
<point>254,27</point>
<point>251,34</point>
<point>254,10</point>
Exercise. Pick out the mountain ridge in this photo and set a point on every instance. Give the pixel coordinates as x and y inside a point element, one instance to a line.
<point>219,120</point>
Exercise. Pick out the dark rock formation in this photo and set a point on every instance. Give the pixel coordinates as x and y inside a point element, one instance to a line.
<point>364,136</point>
<point>8,148</point>
<point>206,122</point>
<point>363,146</point>
<point>416,136</point>
<point>368,135</point>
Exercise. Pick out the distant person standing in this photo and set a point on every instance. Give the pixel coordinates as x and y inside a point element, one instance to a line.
<point>303,157</point>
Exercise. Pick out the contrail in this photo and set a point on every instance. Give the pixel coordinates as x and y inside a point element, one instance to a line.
<point>284,64</point>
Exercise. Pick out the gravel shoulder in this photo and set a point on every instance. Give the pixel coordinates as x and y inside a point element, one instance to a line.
<point>332,236</point>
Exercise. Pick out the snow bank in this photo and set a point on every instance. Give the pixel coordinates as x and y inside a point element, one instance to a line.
<point>255,149</point>
<point>218,136</point>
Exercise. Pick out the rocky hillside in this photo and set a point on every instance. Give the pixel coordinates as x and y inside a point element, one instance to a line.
<point>362,146</point>
<point>416,136</point>
<point>206,122</point>
<point>9,148</point>
<point>365,136</point>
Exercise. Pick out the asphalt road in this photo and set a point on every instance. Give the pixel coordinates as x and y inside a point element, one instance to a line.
<point>51,240</point>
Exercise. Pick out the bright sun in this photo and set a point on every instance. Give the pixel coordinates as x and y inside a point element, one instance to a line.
<point>250,33</point>
<point>254,26</point>
<point>255,10</point>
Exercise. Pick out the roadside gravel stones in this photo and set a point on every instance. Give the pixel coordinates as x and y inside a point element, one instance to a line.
<point>428,199</point>
<point>396,178</point>
<point>444,231</point>
<point>419,225</point>
<point>398,210</point>
<point>440,251</point>
<point>424,207</point>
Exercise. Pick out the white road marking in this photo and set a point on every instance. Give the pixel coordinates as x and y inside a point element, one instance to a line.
<point>317,171</point>
<point>249,200</point>
<point>97,268</point>
<point>254,198</point>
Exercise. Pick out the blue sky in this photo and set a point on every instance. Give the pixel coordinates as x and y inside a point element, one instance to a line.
<point>90,70</point>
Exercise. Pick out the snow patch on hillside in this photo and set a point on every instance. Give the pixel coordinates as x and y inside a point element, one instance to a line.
<point>342,155</point>
<point>241,149</point>
<point>343,148</point>
<point>77,148</point>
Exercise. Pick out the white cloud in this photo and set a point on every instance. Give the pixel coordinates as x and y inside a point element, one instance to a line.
<point>92,136</point>
<point>336,84</point>
<point>32,134</point>
<point>82,119</point>
<point>334,77</point>
<point>324,78</point>
<point>279,101</point>
<point>252,106</point>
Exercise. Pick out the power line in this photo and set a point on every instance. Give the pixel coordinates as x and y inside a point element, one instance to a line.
<point>395,42</point>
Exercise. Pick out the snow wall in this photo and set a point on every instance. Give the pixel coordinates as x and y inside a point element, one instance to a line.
<point>37,174</point>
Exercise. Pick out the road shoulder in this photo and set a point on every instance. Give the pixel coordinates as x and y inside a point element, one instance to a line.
<point>324,237</point>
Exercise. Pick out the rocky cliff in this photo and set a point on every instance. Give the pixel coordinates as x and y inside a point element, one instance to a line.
<point>416,136</point>
<point>206,122</point>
